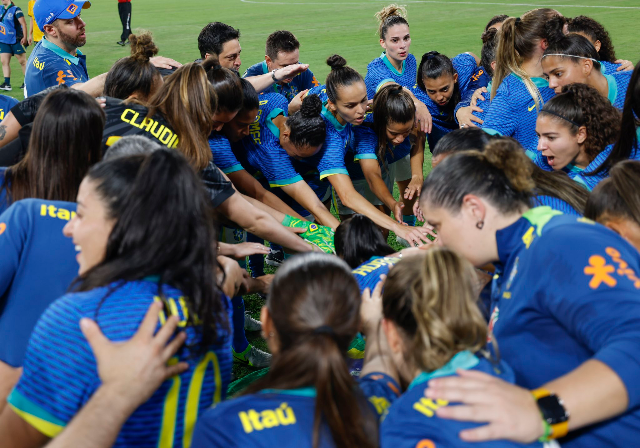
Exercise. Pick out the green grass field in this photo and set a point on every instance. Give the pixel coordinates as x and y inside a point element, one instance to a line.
<point>323,28</point>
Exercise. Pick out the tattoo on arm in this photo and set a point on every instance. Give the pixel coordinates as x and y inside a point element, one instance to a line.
<point>3,131</point>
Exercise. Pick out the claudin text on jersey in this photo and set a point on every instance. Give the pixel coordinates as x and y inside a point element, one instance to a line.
<point>165,135</point>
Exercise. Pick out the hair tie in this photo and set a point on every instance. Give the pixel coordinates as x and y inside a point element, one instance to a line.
<point>518,20</point>
<point>326,329</point>
<point>560,116</point>
<point>432,55</point>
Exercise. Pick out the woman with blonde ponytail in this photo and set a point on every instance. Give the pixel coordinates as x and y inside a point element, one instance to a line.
<point>308,398</point>
<point>564,308</point>
<point>518,89</point>
<point>431,327</point>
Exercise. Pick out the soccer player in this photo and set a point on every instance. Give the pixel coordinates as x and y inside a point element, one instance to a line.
<point>282,50</point>
<point>124,10</point>
<point>35,34</point>
<point>572,59</point>
<point>518,90</point>
<point>379,151</point>
<point>159,198</point>
<point>308,396</point>
<point>59,155</point>
<point>12,40</point>
<point>576,132</point>
<point>344,108</point>
<point>442,83</point>
<point>432,328</point>
<point>611,205</point>
<point>359,241</point>
<point>599,37</point>
<point>492,222</point>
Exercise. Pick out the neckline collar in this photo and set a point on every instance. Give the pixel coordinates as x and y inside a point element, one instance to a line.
<point>463,360</point>
<point>333,120</point>
<point>60,52</point>
<point>538,82</point>
<point>301,392</point>
<point>613,88</point>
<point>390,66</point>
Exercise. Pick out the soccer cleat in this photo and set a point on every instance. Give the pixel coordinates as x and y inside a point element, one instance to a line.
<point>5,86</point>
<point>22,86</point>
<point>251,324</point>
<point>275,258</point>
<point>253,356</point>
<point>122,43</point>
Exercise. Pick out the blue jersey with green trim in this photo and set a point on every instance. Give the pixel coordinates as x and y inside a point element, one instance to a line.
<point>570,288</point>
<point>513,112</point>
<point>609,67</point>
<point>368,274</point>
<point>223,155</point>
<point>412,421</point>
<point>381,390</point>
<point>305,80</point>
<point>282,418</point>
<point>365,146</point>
<point>380,71</point>
<point>60,373</point>
<point>49,65</point>
<point>618,85</point>
<point>38,262</point>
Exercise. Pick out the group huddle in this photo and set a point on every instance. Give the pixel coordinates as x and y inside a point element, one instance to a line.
<point>130,202</point>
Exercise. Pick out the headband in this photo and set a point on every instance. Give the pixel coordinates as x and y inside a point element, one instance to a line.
<point>570,56</point>
<point>560,116</point>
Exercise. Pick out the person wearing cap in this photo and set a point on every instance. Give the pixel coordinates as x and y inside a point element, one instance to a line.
<point>56,59</point>
<point>12,39</point>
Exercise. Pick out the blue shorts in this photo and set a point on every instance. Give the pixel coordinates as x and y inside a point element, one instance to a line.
<point>14,49</point>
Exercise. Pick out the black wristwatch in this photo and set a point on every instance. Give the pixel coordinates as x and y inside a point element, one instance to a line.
<point>273,75</point>
<point>554,414</point>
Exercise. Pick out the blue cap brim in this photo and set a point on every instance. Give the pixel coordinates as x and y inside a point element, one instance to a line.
<point>74,9</point>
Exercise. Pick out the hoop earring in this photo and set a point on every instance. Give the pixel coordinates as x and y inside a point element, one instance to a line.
<point>480,225</point>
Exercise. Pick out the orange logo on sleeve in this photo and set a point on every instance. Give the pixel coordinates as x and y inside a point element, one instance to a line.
<point>600,271</point>
<point>426,443</point>
<point>72,8</point>
<point>3,227</point>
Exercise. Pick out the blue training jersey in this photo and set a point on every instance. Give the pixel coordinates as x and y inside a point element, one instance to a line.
<point>38,263</point>
<point>618,85</point>
<point>609,67</point>
<point>568,290</point>
<point>60,374</point>
<point>49,65</point>
<point>381,391</point>
<point>513,112</point>
<point>368,274</point>
<point>380,71</point>
<point>555,204</point>
<point>365,146</point>
<point>412,422</point>
<point>223,155</point>
<point>305,80</point>
<point>6,103</point>
<point>269,418</point>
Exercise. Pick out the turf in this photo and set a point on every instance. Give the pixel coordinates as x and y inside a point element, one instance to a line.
<point>323,28</point>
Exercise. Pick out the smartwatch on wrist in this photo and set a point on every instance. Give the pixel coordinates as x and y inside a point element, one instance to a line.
<point>554,414</point>
<point>273,75</point>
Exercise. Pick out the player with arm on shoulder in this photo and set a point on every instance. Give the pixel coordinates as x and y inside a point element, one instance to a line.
<point>283,50</point>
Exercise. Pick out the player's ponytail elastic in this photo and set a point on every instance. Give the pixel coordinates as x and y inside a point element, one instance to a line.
<point>518,41</point>
<point>135,75</point>
<point>501,175</point>
<point>432,297</point>
<point>389,16</point>
<point>391,104</point>
<point>314,305</point>
<point>307,127</point>
<point>226,84</point>
<point>340,76</point>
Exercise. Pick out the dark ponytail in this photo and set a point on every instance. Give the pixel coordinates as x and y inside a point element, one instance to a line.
<point>163,227</point>
<point>499,174</point>
<point>250,98</point>
<point>580,105</point>
<point>488,53</point>
<point>357,239</point>
<point>595,31</point>
<point>340,76</point>
<point>391,104</point>
<point>226,84</point>
<point>434,65</point>
<point>571,46</point>
<point>616,196</point>
<point>628,140</point>
<point>307,126</point>
<point>135,74</point>
<point>314,304</point>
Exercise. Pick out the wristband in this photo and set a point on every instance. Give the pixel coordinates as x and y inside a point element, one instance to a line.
<point>273,75</point>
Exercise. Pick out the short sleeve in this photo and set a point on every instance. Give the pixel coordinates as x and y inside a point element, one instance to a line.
<point>19,13</point>
<point>25,111</point>
<point>59,371</point>
<point>500,119</point>
<point>365,143</point>
<point>466,66</point>
<point>377,76</point>
<point>218,188</point>
<point>275,165</point>
<point>13,225</point>
<point>332,155</point>
<point>223,155</point>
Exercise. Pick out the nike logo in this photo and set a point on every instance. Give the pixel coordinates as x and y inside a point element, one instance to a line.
<point>531,108</point>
